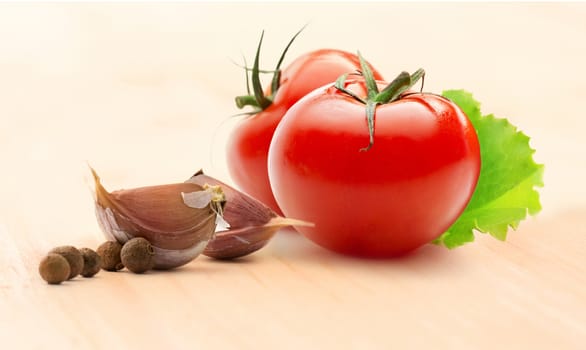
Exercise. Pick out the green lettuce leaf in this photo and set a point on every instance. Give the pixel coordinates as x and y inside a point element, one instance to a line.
<point>505,192</point>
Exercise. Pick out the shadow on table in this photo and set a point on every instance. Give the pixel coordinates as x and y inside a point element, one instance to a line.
<point>291,248</point>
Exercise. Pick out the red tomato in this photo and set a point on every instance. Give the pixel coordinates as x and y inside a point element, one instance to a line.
<point>249,143</point>
<point>403,192</point>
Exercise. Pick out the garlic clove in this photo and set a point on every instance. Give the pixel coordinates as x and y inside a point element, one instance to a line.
<point>237,242</point>
<point>178,232</point>
<point>251,224</point>
<point>166,259</point>
<point>241,210</point>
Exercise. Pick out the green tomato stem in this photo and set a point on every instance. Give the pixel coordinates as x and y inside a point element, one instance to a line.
<point>340,85</point>
<point>276,82</point>
<point>370,110</point>
<point>257,98</point>
<point>261,99</point>
<point>246,100</point>
<point>391,93</point>
<point>372,88</point>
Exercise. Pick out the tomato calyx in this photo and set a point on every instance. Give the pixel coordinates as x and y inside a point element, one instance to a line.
<point>257,98</point>
<point>391,93</point>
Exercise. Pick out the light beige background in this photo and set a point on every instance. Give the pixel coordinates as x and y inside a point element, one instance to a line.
<point>144,92</point>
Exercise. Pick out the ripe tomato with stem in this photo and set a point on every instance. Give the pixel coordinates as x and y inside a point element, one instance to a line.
<point>380,170</point>
<point>248,145</point>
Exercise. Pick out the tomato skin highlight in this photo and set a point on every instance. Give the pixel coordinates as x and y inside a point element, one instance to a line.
<point>402,193</point>
<point>248,145</point>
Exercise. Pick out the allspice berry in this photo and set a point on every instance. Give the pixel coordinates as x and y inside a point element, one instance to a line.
<point>91,262</point>
<point>73,257</point>
<point>138,255</point>
<point>109,253</point>
<point>54,268</point>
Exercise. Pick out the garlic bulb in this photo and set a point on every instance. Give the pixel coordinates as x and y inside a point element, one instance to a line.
<point>251,224</point>
<point>178,232</point>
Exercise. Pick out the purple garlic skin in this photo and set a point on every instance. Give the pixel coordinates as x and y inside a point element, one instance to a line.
<point>177,232</point>
<point>251,223</point>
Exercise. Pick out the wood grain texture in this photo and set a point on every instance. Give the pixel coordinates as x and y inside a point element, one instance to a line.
<point>144,92</point>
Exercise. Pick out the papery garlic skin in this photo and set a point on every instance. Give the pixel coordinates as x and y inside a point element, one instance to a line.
<point>109,226</point>
<point>251,224</point>
<point>164,258</point>
<point>167,259</point>
<point>177,232</point>
<point>236,243</point>
<point>241,210</point>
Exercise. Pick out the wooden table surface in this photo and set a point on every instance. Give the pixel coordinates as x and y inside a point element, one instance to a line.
<point>143,92</point>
